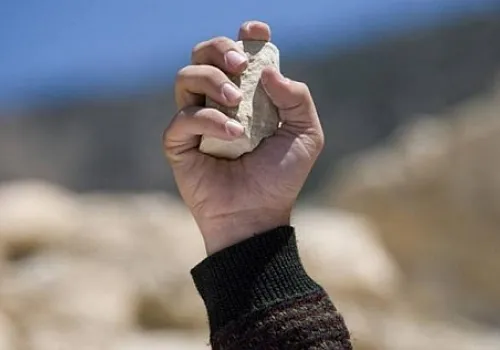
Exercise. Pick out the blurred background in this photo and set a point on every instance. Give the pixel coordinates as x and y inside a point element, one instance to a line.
<point>400,219</point>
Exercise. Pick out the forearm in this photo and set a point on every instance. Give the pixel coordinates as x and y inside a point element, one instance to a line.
<point>258,295</point>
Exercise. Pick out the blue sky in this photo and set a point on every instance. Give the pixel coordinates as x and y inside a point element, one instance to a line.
<point>52,49</point>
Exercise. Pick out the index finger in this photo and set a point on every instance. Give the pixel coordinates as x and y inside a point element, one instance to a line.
<point>254,30</point>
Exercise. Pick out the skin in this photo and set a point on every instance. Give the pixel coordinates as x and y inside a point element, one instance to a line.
<point>232,200</point>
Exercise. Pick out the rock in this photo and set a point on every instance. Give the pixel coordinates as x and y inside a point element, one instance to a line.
<point>155,240</point>
<point>120,280</point>
<point>58,288</point>
<point>342,251</point>
<point>61,336</point>
<point>33,215</point>
<point>256,111</point>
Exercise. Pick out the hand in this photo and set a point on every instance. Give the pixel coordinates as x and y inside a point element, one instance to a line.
<point>232,200</point>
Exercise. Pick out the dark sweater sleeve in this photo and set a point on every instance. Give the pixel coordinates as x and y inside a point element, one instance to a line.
<point>258,296</point>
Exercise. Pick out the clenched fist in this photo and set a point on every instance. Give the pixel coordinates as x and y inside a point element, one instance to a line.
<point>232,200</point>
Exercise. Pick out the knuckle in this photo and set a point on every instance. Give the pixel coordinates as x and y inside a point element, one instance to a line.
<point>303,89</point>
<point>316,139</point>
<point>218,46</point>
<point>181,114</point>
<point>177,117</point>
<point>165,136</point>
<point>197,48</point>
<point>182,73</point>
<point>318,134</point>
<point>305,97</point>
<point>220,41</point>
<point>320,140</point>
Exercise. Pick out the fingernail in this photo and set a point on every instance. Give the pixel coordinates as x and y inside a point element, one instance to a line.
<point>234,58</point>
<point>230,92</point>
<point>234,128</point>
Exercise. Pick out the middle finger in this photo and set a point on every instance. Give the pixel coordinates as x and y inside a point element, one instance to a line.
<point>222,53</point>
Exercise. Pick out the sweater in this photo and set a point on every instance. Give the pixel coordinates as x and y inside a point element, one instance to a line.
<point>258,296</point>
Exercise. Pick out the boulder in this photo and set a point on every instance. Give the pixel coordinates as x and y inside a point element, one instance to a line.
<point>35,214</point>
<point>343,252</point>
<point>63,289</point>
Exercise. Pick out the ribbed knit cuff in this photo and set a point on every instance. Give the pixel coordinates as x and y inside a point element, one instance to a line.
<point>251,275</point>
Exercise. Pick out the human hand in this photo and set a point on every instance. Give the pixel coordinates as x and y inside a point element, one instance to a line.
<point>232,200</point>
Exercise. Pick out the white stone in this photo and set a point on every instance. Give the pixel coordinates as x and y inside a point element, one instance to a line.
<point>256,112</point>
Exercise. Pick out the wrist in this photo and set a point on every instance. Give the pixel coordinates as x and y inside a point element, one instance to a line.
<point>227,230</point>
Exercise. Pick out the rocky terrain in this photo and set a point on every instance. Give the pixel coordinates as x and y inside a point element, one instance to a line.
<point>404,239</point>
<point>111,271</point>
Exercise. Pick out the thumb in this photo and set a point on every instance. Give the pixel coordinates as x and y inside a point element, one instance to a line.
<point>293,100</point>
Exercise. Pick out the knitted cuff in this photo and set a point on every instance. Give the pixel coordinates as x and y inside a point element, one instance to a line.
<point>251,275</point>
